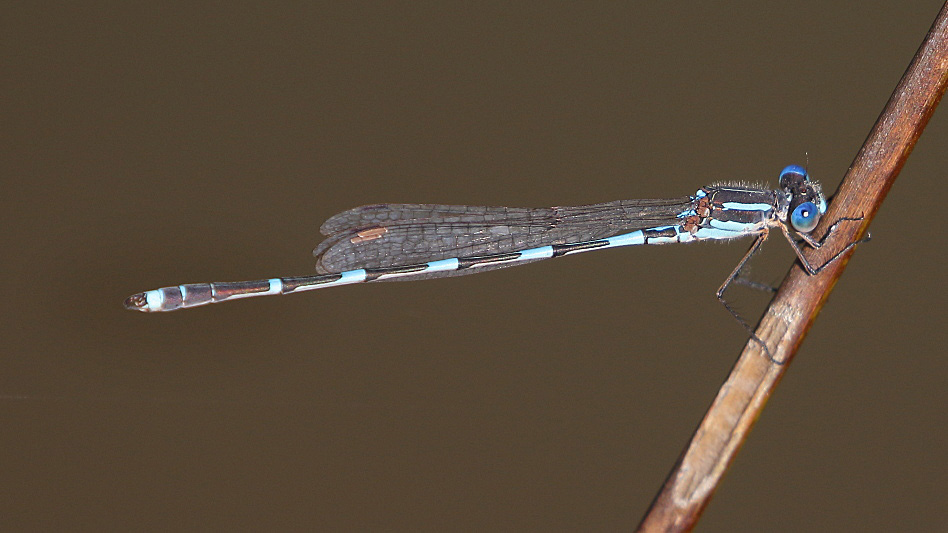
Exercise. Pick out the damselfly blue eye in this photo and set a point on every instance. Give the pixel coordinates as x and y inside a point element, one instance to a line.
<point>793,169</point>
<point>805,217</point>
<point>792,174</point>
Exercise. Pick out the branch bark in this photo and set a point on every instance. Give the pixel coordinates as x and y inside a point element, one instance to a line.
<point>739,402</point>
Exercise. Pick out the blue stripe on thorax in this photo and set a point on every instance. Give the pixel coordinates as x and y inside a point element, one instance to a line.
<point>746,206</point>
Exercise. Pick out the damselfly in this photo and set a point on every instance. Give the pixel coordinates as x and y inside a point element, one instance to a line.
<point>403,242</point>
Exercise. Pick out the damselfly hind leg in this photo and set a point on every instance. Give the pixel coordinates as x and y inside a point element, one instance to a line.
<point>756,285</point>
<point>735,276</point>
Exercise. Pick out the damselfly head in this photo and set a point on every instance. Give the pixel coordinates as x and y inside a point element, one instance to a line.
<point>807,203</point>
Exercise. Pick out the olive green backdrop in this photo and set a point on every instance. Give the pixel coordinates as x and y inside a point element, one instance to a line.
<point>154,144</point>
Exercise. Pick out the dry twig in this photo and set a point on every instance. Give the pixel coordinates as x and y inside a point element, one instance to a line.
<point>740,400</point>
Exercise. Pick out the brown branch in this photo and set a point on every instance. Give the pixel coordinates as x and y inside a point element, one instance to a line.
<point>740,400</point>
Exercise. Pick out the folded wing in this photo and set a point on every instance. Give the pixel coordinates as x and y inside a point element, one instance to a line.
<point>389,235</point>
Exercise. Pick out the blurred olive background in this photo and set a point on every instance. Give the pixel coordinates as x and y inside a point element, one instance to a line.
<point>151,144</point>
